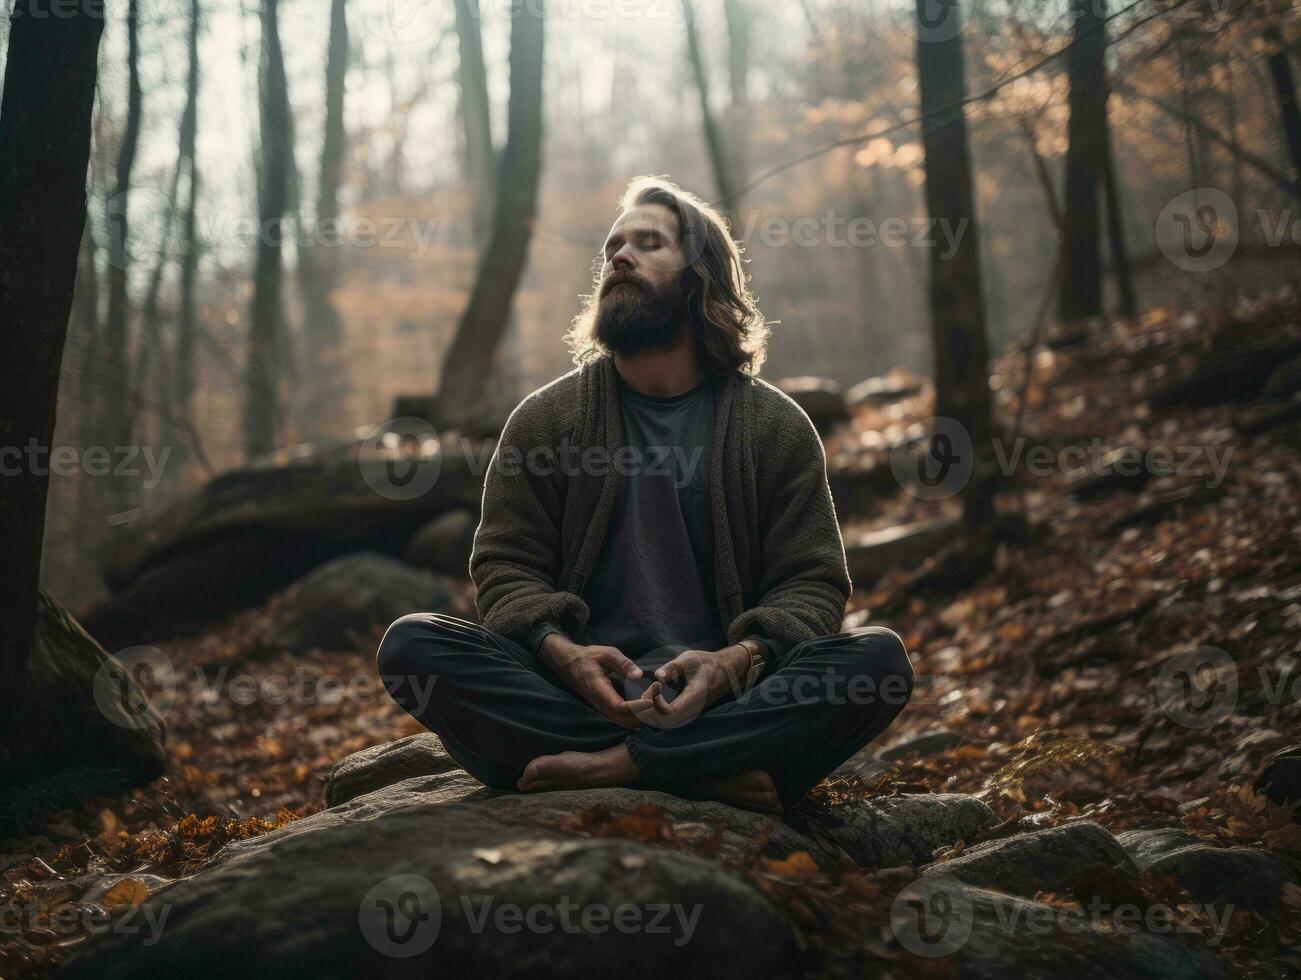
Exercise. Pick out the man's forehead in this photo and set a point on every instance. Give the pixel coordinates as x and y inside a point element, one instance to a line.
<point>641,217</point>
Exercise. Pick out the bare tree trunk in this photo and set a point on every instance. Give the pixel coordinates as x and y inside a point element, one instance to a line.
<point>476,118</point>
<point>1081,294</point>
<point>262,408</point>
<point>713,135</point>
<point>151,352</point>
<point>1192,98</point>
<point>1280,73</point>
<point>318,269</point>
<point>1041,172</point>
<point>50,75</point>
<point>1128,300</point>
<point>116,411</point>
<point>1231,110</point>
<point>186,323</point>
<point>740,30</point>
<point>470,356</point>
<point>958,333</point>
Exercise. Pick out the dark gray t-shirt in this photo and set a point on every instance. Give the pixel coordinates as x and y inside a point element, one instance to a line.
<point>652,589</point>
<point>653,583</point>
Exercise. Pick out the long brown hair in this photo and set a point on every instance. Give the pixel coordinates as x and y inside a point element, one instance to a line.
<point>730,331</point>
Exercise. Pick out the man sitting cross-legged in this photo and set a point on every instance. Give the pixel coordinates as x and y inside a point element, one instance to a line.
<point>660,576</point>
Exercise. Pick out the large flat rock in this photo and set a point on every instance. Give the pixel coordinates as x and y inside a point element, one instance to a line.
<point>735,833</point>
<point>423,879</point>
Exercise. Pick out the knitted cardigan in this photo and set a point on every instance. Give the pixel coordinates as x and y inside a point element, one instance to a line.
<point>780,566</point>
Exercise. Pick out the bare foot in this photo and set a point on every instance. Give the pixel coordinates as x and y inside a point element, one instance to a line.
<point>579,770</point>
<point>753,790</point>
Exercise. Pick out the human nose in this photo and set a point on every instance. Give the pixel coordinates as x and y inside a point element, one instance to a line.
<point>622,259</point>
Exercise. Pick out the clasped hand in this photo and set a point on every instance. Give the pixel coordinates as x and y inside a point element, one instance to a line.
<point>594,673</point>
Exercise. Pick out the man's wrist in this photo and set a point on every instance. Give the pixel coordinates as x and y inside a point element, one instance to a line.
<point>554,646</point>
<point>736,666</point>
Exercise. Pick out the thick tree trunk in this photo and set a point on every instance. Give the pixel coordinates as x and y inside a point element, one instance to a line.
<point>262,408</point>
<point>714,145</point>
<point>1081,294</point>
<point>50,75</point>
<point>1280,73</point>
<point>958,333</point>
<point>318,269</point>
<point>469,359</point>
<point>476,118</point>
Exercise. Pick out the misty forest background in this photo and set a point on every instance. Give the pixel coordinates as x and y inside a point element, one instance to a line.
<point>386,127</point>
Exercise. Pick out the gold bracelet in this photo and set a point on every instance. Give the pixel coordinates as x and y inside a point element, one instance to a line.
<point>757,660</point>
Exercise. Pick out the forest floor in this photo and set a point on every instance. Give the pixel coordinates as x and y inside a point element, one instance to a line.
<point>1046,667</point>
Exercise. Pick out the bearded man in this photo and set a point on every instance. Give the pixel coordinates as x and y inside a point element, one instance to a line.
<point>661,580</point>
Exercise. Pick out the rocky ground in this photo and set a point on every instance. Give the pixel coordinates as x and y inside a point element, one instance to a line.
<point>1081,785</point>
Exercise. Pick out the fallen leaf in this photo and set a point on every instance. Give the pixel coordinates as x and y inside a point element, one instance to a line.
<point>128,891</point>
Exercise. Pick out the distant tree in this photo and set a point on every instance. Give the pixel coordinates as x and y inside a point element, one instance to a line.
<point>1086,163</point>
<point>186,322</point>
<point>45,126</point>
<point>262,410</point>
<point>958,331</point>
<point>156,375</point>
<point>469,358</point>
<point>318,262</point>
<point>740,36</point>
<point>116,410</point>
<point>476,118</point>
<point>714,142</point>
<point>1127,298</point>
<point>1284,82</point>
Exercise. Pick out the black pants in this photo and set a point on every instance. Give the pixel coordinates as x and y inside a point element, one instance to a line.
<point>497,707</point>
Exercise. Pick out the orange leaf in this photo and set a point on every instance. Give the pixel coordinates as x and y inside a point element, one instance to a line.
<point>799,864</point>
<point>128,891</point>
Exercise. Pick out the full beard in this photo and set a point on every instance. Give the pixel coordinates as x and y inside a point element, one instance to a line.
<point>639,318</point>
